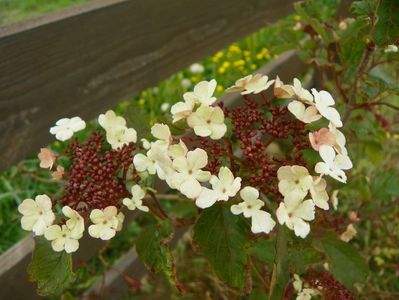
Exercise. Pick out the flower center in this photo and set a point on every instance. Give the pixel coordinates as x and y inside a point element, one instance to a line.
<point>190,172</point>
<point>224,191</point>
<point>208,122</point>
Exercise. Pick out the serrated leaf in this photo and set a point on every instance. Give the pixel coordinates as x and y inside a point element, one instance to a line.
<point>346,263</point>
<point>153,249</point>
<point>51,270</point>
<point>221,237</point>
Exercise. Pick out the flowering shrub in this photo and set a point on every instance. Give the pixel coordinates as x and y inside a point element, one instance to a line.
<point>225,162</point>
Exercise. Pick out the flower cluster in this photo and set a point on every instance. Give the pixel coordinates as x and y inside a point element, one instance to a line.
<point>258,162</point>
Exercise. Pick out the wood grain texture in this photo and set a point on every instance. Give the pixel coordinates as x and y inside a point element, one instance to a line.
<point>85,60</point>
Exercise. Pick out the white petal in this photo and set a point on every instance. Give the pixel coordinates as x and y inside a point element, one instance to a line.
<point>261,221</point>
<point>327,153</point>
<point>206,198</point>
<point>191,188</point>
<point>249,193</point>
<point>301,228</point>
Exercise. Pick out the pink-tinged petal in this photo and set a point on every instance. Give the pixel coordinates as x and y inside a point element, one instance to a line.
<point>47,158</point>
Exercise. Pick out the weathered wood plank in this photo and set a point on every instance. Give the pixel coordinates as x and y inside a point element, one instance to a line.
<point>85,60</point>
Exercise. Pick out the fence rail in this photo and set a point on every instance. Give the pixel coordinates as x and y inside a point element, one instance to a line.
<point>83,60</point>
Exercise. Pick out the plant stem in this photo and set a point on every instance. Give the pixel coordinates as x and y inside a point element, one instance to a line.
<point>280,266</point>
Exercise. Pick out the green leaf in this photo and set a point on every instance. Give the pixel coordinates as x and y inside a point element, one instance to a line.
<point>51,270</point>
<point>346,263</point>
<point>152,248</point>
<point>301,257</point>
<point>221,237</point>
<point>385,185</point>
<point>264,250</point>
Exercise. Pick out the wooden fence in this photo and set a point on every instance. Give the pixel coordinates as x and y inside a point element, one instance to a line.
<point>83,60</point>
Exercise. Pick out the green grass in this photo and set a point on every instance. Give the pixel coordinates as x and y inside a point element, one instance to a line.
<point>17,10</point>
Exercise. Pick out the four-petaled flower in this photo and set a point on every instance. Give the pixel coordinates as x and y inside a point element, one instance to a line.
<point>65,128</point>
<point>137,199</point>
<point>111,120</point>
<point>62,238</point>
<point>294,179</point>
<point>189,172</point>
<point>37,214</point>
<point>223,187</point>
<point>261,221</point>
<point>119,136</point>
<point>324,100</point>
<point>208,121</point>
<point>333,164</point>
<point>293,212</point>
<point>105,222</point>
<point>318,193</point>
<point>75,223</point>
<point>251,84</point>
<point>47,158</point>
<point>202,94</point>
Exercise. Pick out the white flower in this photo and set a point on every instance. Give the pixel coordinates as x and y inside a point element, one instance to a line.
<point>333,164</point>
<point>301,93</point>
<point>156,161</point>
<point>146,144</point>
<point>340,140</point>
<point>203,93</point>
<point>251,84</point>
<point>182,110</point>
<point>324,100</point>
<point>197,68</point>
<point>293,212</point>
<point>165,106</point>
<point>105,222</point>
<point>318,193</point>
<point>281,90</point>
<point>162,133</point>
<point>261,221</point>
<point>75,223</point>
<point>62,238</point>
<point>301,112</point>
<point>306,294</point>
<point>37,214</point>
<point>208,121</point>
<point>178,150</point>
<point>297,283</point>
<point>119,136</point>
<point>137,199</point>
<point>223,187</point>
<point>294,179</point>
<point>391,49</point>
<point>65,128</point>
<point>186,83</point>
<point>189,173</point>
<point>110,120</point>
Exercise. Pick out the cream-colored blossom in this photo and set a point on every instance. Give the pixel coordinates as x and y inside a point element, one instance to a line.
<point>37,214</point>
<point>208,121</point>
<point>251,84</point>
<point>136,201</point>
<point>65,128</point>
